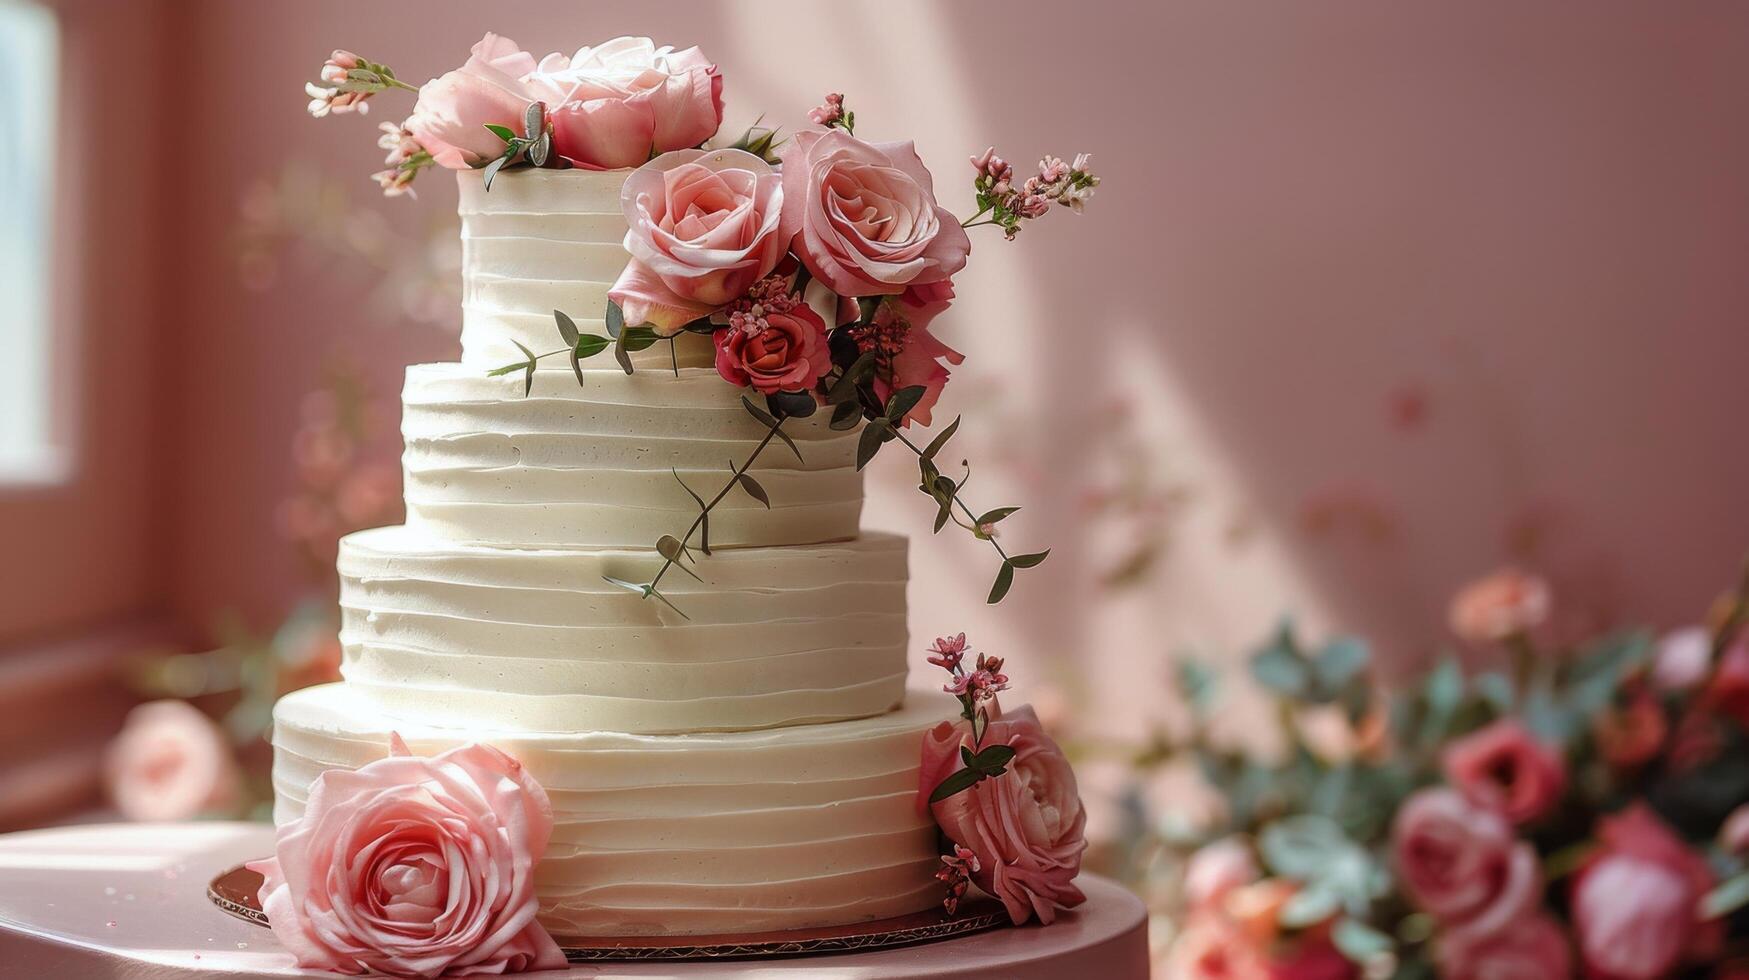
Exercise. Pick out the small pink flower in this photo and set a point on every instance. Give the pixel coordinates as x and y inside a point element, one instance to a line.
<point>947,651</point>
<point>1505,767</point>
<point>171,762</point>
<point>828,113</point>
<point>956,873</point>
<point>414,867</point>
<point>338,64</point>
<point>1505,604</point>
<point>994,173</point>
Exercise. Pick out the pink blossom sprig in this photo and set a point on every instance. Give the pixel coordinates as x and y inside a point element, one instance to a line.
<point>976,690</point>
<point>831,113</point>
<point>1003,204</point>
<point>347,81</point>
<point>768,296</point>
<point>405,159</point>
<point>956,873</point>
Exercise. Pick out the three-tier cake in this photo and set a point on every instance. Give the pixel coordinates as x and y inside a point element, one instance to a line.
<point>750,766</point>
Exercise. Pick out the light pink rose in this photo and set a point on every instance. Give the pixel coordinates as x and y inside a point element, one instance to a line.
<point>911,355</point>
<point>414,867</point>
<point>862,216</point>
<point>790,354</point>
<point>1213,947</point>
<point>171,762</point>
<point>1216,869</point>
<point>1634,903</point>
<point>617,104</point>
<point>450,118</point>
<point>1460,862</point>
<point>702,229</point>
<point>1502,605</point>
<point>1532,948</point>
<point>1505,767</point>
<point>1026,826</point>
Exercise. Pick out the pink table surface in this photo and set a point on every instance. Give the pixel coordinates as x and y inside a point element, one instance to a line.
<point>128,901</point>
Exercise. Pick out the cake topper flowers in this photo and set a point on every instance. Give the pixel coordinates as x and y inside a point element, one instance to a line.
<point>816,265</point>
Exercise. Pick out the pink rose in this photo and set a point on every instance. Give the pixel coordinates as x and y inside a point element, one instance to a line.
<point>703,228</point>
<point>171,762</point>
<point>618,104</point>
<point>1216,869</point>
<point>862,216</point>
<point>1634,903</point>
<point>1532,948</point>
<point>1460,862</point>
<point>1213,947</point>
<point>1026,826</point>
<point>1631,735</point>
<point>450,118</point>
<point>910,354</point>
<point>789,354</point>
<point>1684,657</point>
<point>415,867</point>
<point>1502,605</point>
<point>1504,767</point>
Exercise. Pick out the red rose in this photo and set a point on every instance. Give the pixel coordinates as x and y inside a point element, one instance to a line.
<point>789,354</point>
<point>1504,767</point>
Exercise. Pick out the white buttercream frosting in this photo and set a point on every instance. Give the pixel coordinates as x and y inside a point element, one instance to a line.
<point>594,465</point>
<point>531,640</point>
<point>682,834</point>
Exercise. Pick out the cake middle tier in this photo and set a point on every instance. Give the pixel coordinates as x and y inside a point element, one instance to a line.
<point>600,464</point>
<point>531,640</point>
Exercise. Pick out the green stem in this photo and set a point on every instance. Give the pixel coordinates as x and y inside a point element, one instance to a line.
<point>393,82</point>
<point>698,521</point>
<point>970,514</point>
<point>973,220</point>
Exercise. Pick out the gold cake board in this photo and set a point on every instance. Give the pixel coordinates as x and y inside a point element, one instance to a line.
<point>235,890</point>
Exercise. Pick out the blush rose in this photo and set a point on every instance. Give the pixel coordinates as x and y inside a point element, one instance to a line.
<point>171,762</point>
<point>863,218</point>
<point>414,867</point>
<point>1026,826</point>
<point>449,120</point>
<point>1460,862</point>
<point>1505,767</point>
<point>702,228</point>
<point>616,104</point>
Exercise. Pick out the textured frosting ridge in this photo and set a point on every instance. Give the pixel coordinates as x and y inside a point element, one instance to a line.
<point>532,640</point>
<point>739,832</point>
<point>594,465</point>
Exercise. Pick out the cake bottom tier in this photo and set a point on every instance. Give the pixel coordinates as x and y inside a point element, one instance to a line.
<point>741,832</point>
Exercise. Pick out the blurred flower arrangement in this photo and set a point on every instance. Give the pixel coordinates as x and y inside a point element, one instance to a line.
<point>199,747</point>
<point>1554,811</point>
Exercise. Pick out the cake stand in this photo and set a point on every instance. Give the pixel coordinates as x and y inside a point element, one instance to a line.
<point>130,900</point>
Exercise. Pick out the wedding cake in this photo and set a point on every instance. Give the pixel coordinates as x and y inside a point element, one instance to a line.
<point>750,767</point>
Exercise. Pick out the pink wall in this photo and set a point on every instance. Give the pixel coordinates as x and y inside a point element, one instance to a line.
<point>1379,282</point>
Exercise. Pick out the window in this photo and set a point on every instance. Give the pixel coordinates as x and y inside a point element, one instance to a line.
<point>32,443</point>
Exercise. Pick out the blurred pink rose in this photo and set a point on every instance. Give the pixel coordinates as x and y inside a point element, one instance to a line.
<point>1216,869</point>
<point>1734,832</point>
<point>1313,958</point>
<point>862,216</point>
<point>911,356</point>
<point>1684,657</point>
<point>1026,825</point>
<point>790,354</point>
<point>1212,947</point>
<point>1631,735</point>
<point>1531,948</point>
<point>1502,605</point>
<point>1461,863</point>
<point>450,118</point>
<point>617,104</point>
<point>703,228</point>
<point>1635,903</point>
<point>414,867</point>
<point>1505,767</point>
<point>171,762</point>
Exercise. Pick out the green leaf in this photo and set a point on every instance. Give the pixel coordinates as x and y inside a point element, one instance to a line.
<point>903,401</point>
<point>497,165</point>
<point>534,119</point>
<point>704,523</point>
<point>1359,941</point>
<point>956,782</point>
<point>1004,581</point>
<point>669,547</point>
<point>1028,561</point>
<point>791,404</point>
<point>753,489</point>
<point>1282,670</point>
<point>1445,686</point>
<point>941,438</point>
<point>1308,907</point>
<point>992,759</point>
<point>1731,895</point>
<point>653,594</point>
<point>943,514</point>
<point>589,345</point>
<point>540,149</point>
<point>615,319</point>
<point>528,368</point>
<point>640,589</point>
<point>1197,683</point>
<point>639,338</point>
<point>845,416</point>
<point>844,389</point>
<point>504,133</point>
<point>507,369</point>
<point>567,327</point>
<point>873,435</point>
<point>995,517</point>
<point>620,353</point>
<point>765,418</point>
<point>1341,660</point>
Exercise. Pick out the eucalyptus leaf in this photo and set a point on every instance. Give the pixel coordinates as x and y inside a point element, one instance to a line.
<point>620,353</point>
<point>640,589</point>
<point>995,517</point>
<point>1281,670</point>
<point>1028,561</point>
<point>534,119</point>
<point>1731,895</point>
<point>941,438</point>
<point>704,513</point>
<point>1341,660</point>
<point>669,547</point>
<point>874,434</point>
<point>846,415</point>
<point>589,345</point>
<point>528,368</point>
<point>1004,582</point>
<point>765,418</point>
<point>615,318</point>
<point>497,165</point>
<point>903,401</point>
<point>567,327</point>
<point>956,782</point>
<point>791,404</point>
<point>753,489</point>
<point>1308,907</point>
<point>638,338</point>
<point>504,133</point>
<point>993,758</point>
<point>1358,941</point>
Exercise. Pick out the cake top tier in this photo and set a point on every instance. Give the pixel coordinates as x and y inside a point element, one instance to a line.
<point>539,241</point>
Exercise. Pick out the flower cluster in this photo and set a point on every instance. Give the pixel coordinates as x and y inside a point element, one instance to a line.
<point>1578,811</point>
<point>1007,205</point>
<point>1003,794</point>
<point>831,112</point>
